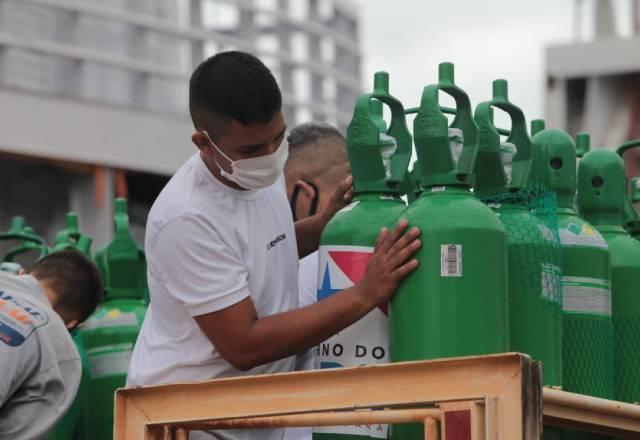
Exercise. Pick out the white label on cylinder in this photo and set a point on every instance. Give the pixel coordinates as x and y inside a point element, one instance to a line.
<point>550,282</point>
<point>110,360</point>
<point>451,260</point>
<point>581,235</point>
<point>112,318</point>
<point>586,295</point>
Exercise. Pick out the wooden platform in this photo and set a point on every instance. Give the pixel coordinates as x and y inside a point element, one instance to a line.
<point>472,398</point>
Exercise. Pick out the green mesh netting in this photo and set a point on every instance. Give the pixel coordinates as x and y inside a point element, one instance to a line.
<point>535,276</point>
<point>534,254</point>
<point>535,282</point>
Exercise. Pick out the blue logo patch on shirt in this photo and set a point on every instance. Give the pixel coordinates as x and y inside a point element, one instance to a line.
<point>19,319</point>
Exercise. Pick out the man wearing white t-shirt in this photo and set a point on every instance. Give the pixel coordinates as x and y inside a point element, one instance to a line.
<point>316,165</point>
<point>222,248</point>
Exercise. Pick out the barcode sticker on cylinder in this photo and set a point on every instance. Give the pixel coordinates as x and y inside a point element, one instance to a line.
<point>451,260</point>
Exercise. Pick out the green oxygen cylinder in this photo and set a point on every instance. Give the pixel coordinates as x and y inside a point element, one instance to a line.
<point>111,332</point>
<point>601,201</point>
<point>507,178</point>
<point>455,302</point>
<point>448,211</point>
<point>587,330</point>
<point>74,424</point>
<point>379,160</point>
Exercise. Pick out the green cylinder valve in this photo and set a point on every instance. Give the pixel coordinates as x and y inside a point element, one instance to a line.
<point>18,224</point>
<point>489,170</point>
<point>583,144</point>
<point>71,238</point>
<point>537,125</point>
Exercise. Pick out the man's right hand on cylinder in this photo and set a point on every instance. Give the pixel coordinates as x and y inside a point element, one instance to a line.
<point>391,262</point>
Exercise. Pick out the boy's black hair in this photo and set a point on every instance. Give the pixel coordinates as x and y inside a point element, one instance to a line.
<point>233,85</point>
<point>74,279</point>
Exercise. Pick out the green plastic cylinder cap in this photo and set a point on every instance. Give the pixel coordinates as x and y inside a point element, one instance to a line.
<point>122,262</point>
<point>71,238</point>
<point>377,165</point>
<point>380,85</point>
<point>72,221</point>
<point>583,144</point>
<point>537,125</point>
<point>557,164</point>
<point>18,224</point>
<point>601,187</point>
<point>488,167</point>
<point>436,165</point>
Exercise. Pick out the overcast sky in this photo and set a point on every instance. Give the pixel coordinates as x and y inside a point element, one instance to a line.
<point>486,40</point>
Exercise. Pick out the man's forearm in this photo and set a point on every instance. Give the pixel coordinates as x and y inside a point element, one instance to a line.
<point>308,233</point>
<point>285,334</point>
<point>246,340</point>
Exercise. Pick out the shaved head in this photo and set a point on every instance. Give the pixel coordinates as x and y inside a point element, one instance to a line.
<point>317,163</point>
<point>316,152</point>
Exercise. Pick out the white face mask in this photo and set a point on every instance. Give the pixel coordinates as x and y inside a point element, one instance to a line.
<point>255,172</point>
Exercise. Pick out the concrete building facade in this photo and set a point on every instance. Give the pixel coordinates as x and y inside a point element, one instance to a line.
<point>593,84</point>
<point>93,93</point>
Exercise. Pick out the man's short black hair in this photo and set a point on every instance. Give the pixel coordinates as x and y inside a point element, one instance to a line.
<point>74,279</point>
<point>234,85</point>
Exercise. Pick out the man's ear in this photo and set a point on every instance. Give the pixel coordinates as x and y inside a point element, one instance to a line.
<point>304,199</point>
<point>71,324</point>
<point>307,191</point>
<point>200,140</point>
